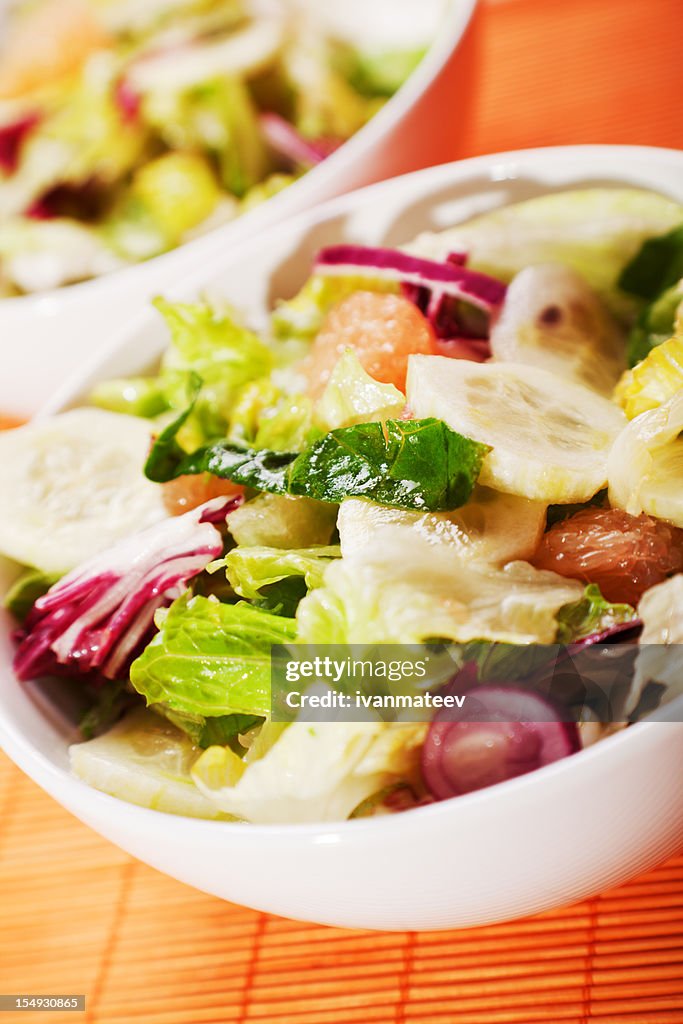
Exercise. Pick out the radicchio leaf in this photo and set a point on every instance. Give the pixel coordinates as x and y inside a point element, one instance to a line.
<point>97,617</point>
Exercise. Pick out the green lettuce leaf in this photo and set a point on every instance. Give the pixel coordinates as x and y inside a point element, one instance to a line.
<point>418,464</point>
<point>223,730</point>
<point>591,614</point>
<point>282,521</point>
<point>265,416</point>
<point>113,698</point>
<point>211,659</point>
<point>407,589</point>
<point>219,118</point>
<point>353,396</point>
<point>655,325</point>
<point>135,396</point>
<point>382,74</point>
<point>250,570</point>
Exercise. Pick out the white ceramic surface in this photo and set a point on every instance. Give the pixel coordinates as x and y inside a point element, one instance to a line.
<point>44,338</point>
<point>560,834</point>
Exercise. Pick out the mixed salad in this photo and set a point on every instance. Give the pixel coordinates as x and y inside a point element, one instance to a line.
<point>129,128</point>
<point>475,439</point>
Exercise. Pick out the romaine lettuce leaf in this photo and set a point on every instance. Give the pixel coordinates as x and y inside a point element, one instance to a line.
<point>211,659</point>
<point>312,773</point>
<point>416,464</point>
<point>251,569</point>
<point>406,589</point>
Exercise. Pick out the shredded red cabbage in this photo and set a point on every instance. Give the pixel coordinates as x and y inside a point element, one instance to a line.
<point>457,301</point>
<point>441,279</point>
<point>98,616</point>
<point>287,142</point>
<point>11,138</point>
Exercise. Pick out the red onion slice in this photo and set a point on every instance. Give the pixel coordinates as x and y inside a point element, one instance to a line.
<point>499,734</point>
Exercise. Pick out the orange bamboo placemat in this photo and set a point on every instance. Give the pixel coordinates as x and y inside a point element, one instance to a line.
<point>559,72</point>
<point>81,916</point>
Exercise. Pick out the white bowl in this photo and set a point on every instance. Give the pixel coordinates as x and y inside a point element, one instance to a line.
<point>45,337</point>
<point>561,834</point>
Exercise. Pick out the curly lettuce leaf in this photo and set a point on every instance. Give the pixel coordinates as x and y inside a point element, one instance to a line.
<point>211,659</point>
<point>212,345</point>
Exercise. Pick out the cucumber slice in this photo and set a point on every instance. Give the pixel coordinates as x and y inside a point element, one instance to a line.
<point>72,485</point>
<point>550,437</point>
<point>146,761</point>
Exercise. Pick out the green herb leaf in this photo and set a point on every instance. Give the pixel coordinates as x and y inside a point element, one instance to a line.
<point>414,464</point>
<point>26,590</point>
<point>418,464</point>
<point>657,266</point>
<point>166,452</point>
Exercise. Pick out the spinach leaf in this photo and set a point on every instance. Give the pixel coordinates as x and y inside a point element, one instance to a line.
<point>655,325</point>
<point>655,267</point>
<point>418,464</point>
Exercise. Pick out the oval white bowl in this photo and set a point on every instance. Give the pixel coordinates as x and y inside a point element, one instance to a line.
<point>46,336</point>
<point>560,834</point>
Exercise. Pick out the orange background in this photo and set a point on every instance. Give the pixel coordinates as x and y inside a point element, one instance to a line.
<point>81,916</point>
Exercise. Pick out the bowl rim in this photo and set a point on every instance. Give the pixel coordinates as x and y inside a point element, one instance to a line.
<point>17,743</point>
<point>456,21</point>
